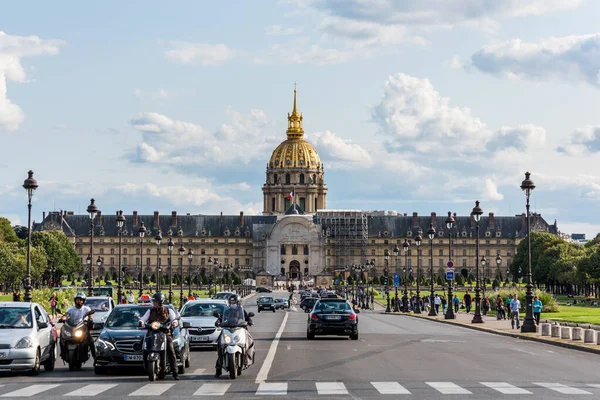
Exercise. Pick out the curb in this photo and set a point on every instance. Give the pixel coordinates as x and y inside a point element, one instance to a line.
<point>508,334</point>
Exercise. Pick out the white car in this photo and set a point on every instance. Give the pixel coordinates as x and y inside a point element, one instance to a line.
<point>28,338</point>
<point>199,314</point>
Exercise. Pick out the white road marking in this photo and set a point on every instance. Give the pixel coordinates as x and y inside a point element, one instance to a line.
<point>594,385</point>
<point>560,388</point>
<point>505,388</point>
<point>331,388</point>
<point>212,389</point>
<point>272,388</point>
<point>525,351</point>
<point>266,367</point>
<point>390,388</point>
<point>152,389</point>
<point>199,371</point>
<point>30,391</point>
<point>91,390</point>
<point>448,388</point>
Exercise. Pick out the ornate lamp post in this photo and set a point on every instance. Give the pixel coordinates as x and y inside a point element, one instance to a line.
<point>406,246</point>
<point>528,324</point>
<point>142,232</point>
<point>386,257</point>
<point>190,258</point>
<point>431,236</point>
<point>476,213</point>
<point>450,224</point>
<point>30,184</point>
<point>396,254</point>
<point>483,263</point>
<point>498,263</point>
<point>170,246</point>
<point>181,254</point>
<point>92,210</point>
<point>158,240</point>
<point>120,223</point>
<point>417,309</point>
<point>99,263</point>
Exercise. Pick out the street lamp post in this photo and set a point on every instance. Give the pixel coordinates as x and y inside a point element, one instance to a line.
<point>30,184</point>
<point>99,263</point>
<point>431,236</point>
<point>92,210</point>
<point>181,254</point>
<point>483,267</point>
<point>190,258</point>
<point>170,246</point>
<point>120,223</point>
<point>396,254</point>
<point>450,224</point>
<point>386,256</point>
<point>528,324</point>
<point>476,213</point>
<point>142,232</point>
<point>158,240</point>
<point>417,309</point>
<point>406,246</point>
<point>498,263</point>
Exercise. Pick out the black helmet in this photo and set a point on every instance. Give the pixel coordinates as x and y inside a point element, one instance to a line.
<point>234,299</point>
<point>159,298</point>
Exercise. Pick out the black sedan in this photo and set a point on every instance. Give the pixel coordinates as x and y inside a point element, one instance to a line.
<point>120,342</point>
<point>261,289</point>
<point>332,317</point>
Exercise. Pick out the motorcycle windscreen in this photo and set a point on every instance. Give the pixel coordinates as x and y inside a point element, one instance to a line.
<point>156,342</point>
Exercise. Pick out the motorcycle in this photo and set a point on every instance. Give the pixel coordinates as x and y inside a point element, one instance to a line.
<point>234,347</point>
<point>155,350</point>
<point>74,347</point>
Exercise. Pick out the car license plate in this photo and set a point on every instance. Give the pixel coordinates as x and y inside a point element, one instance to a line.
<point>199,338</point>
<point>134,358</point>
<point>334,317</point>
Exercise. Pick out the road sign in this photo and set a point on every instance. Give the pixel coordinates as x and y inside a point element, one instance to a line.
<point>337,282</point>
<point>450,264</point>
<point>449,275</point>
<point>396,280</point>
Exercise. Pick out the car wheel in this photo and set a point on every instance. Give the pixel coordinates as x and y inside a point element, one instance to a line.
<point>258,310</point>
<point>273,310</point>
<point>36,364</point>
<point>354,336</point>
<point>187,361</point>
<point>49,363</point>
<point>310,335</point>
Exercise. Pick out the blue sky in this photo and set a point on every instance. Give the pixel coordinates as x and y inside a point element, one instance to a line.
<point>413,105</point>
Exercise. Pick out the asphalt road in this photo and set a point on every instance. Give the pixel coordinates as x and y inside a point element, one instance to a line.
<point>401,356</point>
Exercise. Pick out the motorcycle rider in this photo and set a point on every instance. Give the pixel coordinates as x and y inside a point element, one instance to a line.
<point>79,311</point>
<point>160,313</point>
<point>232,315</point>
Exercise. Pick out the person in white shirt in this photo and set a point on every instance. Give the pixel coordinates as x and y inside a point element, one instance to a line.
<point>80,311</point>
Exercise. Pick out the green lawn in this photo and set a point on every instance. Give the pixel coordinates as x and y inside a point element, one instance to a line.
<point>579,314</point>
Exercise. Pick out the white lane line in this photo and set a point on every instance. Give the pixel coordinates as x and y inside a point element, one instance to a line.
<point>448,388</point>
<point>505,388</point>
<point>30,391</point>
<point>152,389</point>
<point>212,389</point>
<point>198,371</point>
<point>331,388</point>
<point>594,385</point>
<point>390,388</point>
<point>272,388</point>
<point>266,367</point>
<point>91,390</point>
<point>560,388</point>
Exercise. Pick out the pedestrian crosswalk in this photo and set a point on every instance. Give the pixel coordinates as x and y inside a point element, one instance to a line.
<point>239,388</point>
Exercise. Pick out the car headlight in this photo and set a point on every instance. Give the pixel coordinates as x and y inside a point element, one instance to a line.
<point>24,343</point>
<point>78,333</point>
<point>105,345</point>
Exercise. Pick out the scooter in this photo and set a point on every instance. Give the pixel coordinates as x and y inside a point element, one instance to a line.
<point>155,351</point>
<point>233,348</point>
<point>74,348</point>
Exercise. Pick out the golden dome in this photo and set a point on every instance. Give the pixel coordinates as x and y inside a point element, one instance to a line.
<point>295,152</point>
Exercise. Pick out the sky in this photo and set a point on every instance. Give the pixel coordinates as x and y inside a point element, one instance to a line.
<point>413,106</point>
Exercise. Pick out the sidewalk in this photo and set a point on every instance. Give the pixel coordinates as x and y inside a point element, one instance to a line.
<point>502,327</point>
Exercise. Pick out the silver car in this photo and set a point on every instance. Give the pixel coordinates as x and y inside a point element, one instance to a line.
<point>102,305</point>
<point>199,314</point>
<point>28,338</point>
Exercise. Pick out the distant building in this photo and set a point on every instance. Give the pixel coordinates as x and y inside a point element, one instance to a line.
<point>578,236</point>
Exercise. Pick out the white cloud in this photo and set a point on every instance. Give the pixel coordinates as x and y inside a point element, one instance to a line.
<point>199,53</point>
<point>12,49</point>
<point>582,141</point>
<point>338,151</point>
<point>278,30</point>
<point>569,58</point>
<point>491,190</point>
<point>13,218</point>
<point>301,51</point>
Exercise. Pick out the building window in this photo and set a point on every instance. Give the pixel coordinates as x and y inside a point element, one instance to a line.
<point>283,250</point>
<point>226,260</point>
<point>487,253</point>
<point>420,252</point>
<point>487,242</point>
<point>420,263</point>
<point>80,250</point>
<point>385,241</point>
<point>294,250</point>
<point>441,252</point>
<point>148,261</point>
<point>273,204</point>
<point>112,251</point>
<point>305,250</point>
<point>301,178</point>
<point>137,261</point>
<point>237,252</point>
<point>137,250</point>
<point>247,261</point>
<point>464,252</point>
<point>202,261</point>
<point>430,262</point>
<point>216,252</point>
<point>441,263</point>
<point>409,263</point>
<point>464,264</point>
<point>203,251</point>
<point>287,179</point>
<point>125,251</point>
<point>125,261</point>
<point>236,261</point>
<point>226,252</point>
<point>101,251</point>
<point>247,252</point>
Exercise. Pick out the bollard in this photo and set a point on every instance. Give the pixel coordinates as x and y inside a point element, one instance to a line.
<point>545,329</point>
<point>577,333</point>
<point>555,331</point>
<point>589,336</point>
<point>565,332</point>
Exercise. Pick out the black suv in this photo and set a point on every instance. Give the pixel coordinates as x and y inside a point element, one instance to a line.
<point>265,303</point>
<point>332,317</point>
<point>308,303</point>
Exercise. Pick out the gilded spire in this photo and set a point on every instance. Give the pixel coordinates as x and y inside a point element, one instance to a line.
<point>295,130</point>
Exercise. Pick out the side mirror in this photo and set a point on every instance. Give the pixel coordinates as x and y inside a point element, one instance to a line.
<point>42,324</point>
<point>216,314</point>
<point>250,314</point>
<point>91,312</point>
<point>186,324</point>
<point>98,325</point>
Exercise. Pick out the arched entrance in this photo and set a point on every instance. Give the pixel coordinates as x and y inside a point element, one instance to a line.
<point>295,270</point>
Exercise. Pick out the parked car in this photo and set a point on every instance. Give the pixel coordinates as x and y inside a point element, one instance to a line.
<point>121,340</point>
<point>261,289</point>
<point>332,317</point>
<point>28,338</point>
<point>199,315</point>
<point>102,305</point>
<point>308,303</point>
<point>282,304</point>
<point>222,295</point>
<point>265,303</point>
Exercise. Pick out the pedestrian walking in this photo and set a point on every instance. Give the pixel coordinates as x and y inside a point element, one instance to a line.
<point>467,300</point>
<point>444,305</point>
<point>130,297</point>
<point>515,305</point>
<point>537,309</point>
<point>508,301</point>
<point>437,301</point>
<point>456,302</point>
<point>500,312</point>
<point>486,306</point>
<point>17,295</point>
<point>53,304</point>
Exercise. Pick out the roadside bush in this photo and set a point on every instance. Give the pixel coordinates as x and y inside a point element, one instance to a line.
<point>65,298</point>
<point>549,303</point>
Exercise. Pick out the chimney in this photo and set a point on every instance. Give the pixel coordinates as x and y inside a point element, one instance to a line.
<point>44,215</point>
<point>99,217</point>
<point>156,222</point>
<point>433,218</point>
<point>241,218</point>
<point>415,219</point>
<point>492,221</point>
<point>173,219</point>
<point>135,218</point>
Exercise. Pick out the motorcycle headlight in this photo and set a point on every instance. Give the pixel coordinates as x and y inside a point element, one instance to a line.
<point>104,345</point>
<point>236,339</point>
<point>155,325</point>
<point>24,343</point>
<point>227,338</point>
<point>78,334</point>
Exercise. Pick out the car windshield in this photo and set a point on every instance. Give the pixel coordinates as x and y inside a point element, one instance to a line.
<point>222,296</point>
<point>265,300</point>
<point>15,317</point>
<point>202,309</point>
<point>100,305</point>
<point>333,306</point>
<point>125,317</point>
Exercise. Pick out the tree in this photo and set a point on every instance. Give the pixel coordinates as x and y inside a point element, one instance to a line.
<point>20,231</point>
<point>7,234</point>
<point>58,249</point>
